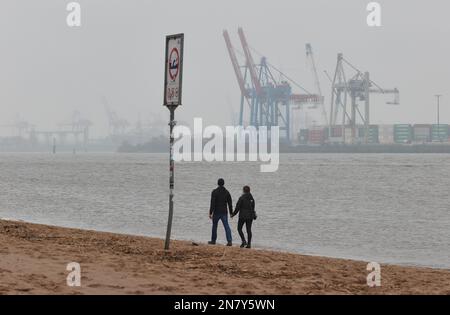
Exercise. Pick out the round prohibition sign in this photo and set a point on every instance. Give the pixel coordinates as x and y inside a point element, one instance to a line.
<point>174,64</point>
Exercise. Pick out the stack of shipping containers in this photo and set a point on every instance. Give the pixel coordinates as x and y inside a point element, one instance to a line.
<point>373,137</point>
<point>382,134</point>
<point>402,133</point>
<point>386,134</point>
<point>317,135</point>
<point>439,133</point>
<point>422,133</point>
<point>348,135</point>
<point>303,136</point>
<point>336,135</point>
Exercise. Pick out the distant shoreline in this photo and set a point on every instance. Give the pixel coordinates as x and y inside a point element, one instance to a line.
<point>34,259</point>
<point>436,148</point>
<point>162,148</point>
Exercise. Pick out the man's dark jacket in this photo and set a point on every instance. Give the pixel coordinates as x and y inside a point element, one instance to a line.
<point>246,207</point>
<point>220,198</point>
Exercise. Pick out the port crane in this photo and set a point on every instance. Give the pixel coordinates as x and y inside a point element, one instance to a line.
<point>356,89</point>
<point>268,100</point>
<point>311,60</point>
<point>245,90</point>
<point>117,126</point>
<point>77,126</point>
<point>20,127</point>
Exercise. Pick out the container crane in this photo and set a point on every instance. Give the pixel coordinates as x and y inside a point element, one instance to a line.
<point>117,126</point>
<point>20,127</point>
<point>269,99</point>
<point>310,58</point>
<point>79,126</point>
<point>357,88</point>
<point>250,63</point>
<point>245,92</point>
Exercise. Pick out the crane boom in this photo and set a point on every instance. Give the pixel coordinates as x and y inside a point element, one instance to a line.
<point>310,56</point>
<point>234,62</point>
<point>394,91</point>
<point>250,62</point>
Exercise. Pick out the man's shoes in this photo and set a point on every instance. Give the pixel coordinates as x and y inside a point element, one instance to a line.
<point>211,243</point>
<point>229,244</point>
<point>243,244</point>
<point>248,246</point>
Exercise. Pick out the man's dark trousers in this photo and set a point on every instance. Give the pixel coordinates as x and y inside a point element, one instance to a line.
<point>224,219</point>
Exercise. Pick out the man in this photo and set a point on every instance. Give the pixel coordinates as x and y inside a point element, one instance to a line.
<point>220,199</point>
<point>246,209</point>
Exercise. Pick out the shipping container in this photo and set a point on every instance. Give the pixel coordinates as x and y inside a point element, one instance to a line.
<point>403,133</point>
<point>326,131</point>
<point>317,135</point>
<point>439,133</point>
<point>386,134</point>
<point>373,136</point>
<point>303,136</point>
<point>336,132</point>
<point>335,135</point>
<point>422,133</point>
<point>348,133</point>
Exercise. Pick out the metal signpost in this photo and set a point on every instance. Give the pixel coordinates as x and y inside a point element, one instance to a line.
<point>172,98</point>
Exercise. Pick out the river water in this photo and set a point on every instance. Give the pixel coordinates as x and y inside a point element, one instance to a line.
<point>381,207</point>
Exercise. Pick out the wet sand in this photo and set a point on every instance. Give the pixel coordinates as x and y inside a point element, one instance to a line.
<point>33,260</point>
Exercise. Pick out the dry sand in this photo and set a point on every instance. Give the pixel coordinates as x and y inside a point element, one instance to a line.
<point>33,260</point>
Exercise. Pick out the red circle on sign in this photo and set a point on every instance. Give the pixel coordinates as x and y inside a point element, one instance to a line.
<point>174,64</point>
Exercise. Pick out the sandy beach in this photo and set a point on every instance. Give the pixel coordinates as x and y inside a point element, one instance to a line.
<point>34,259</point>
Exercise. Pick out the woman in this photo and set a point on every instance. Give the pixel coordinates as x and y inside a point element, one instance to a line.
<point>246,209</point>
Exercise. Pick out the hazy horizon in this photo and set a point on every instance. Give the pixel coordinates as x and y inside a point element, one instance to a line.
<point>48,70</point>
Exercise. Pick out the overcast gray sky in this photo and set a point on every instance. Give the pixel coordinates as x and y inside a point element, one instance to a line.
<point>47,70</point>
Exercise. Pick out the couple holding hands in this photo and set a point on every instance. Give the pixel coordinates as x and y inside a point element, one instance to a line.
<point>220,201</point>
